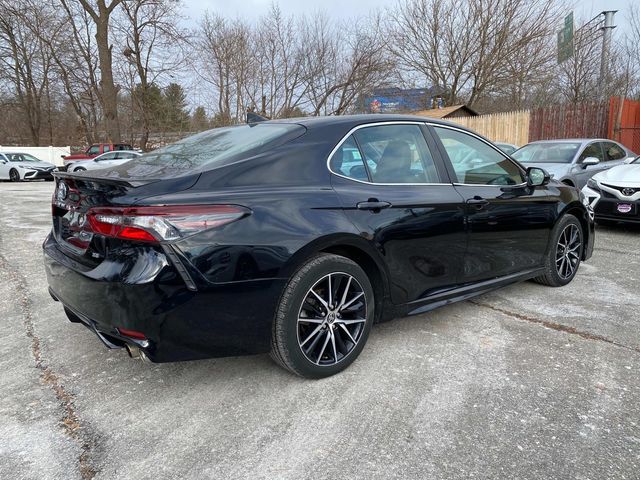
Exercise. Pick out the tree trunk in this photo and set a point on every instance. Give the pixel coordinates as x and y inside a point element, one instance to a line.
<point>108,90</point>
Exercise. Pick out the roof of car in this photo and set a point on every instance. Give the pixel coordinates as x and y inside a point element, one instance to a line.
<point>313,122</point>
<point>573,140</point>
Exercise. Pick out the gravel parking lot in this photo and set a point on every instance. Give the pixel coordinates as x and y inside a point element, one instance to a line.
<point>527,382</point>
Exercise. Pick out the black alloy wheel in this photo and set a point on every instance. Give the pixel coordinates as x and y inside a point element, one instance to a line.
<point>565,253</point>
<point>324,317</point>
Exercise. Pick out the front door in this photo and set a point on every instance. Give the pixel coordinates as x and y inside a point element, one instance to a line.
<point>508,223</point>
<point>399,197</point>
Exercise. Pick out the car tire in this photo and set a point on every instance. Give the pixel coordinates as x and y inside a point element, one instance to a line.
<point>79,169</point>
<point>311,340</point>
<point>14,175</point>
<point>565,253</point>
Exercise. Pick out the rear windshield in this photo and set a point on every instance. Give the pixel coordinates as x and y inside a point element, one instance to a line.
<point>217,147</point>
<point>560,152</point>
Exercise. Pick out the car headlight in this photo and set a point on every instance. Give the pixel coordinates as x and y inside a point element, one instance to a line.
<point>593,184</point>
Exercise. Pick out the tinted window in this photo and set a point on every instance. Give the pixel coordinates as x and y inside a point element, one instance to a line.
<point>217,147</point>
<point>94,150</point>
<point>397,154</point>
<point>347,161</point>
<point>548,152</point>
<point>613,151</point>
<point>592,150</point>
<point>107,156</point>
<point>476,162</point>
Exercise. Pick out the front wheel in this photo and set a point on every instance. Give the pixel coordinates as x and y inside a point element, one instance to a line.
<point>324,317</point>
<point>565,253</point>
<point>14,176</point>
<point>79,169</point>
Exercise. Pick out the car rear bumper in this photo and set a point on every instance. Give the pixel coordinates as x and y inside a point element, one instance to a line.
<point>178,324</point>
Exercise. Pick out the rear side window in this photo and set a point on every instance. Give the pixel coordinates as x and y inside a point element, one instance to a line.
<point>348,161</point>
<point>397,154</point>
<point>613,151</point>
<point>218,147</point>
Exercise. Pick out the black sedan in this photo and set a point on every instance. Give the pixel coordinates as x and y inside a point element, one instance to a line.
<point>294,237</point>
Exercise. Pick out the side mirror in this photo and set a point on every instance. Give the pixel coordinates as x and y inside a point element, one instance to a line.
<point>537,177</point>
<point>590,161</point>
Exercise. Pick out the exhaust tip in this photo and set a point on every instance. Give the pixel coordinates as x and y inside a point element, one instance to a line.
<point>134,352</point>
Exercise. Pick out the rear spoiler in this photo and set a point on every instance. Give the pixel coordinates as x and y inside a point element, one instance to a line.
<point>109,181</point>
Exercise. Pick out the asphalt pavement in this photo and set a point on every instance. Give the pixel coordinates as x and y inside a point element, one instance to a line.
<point>528,382</point>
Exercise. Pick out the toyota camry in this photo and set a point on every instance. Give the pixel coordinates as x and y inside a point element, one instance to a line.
<point>294,237</point>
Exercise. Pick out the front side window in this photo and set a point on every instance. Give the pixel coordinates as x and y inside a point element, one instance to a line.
<point>476,162</point>
<point>93,150</point>
<point>593,150</point>
<point>107,156</point>
<point>613,151</point>
<point>396,154</point>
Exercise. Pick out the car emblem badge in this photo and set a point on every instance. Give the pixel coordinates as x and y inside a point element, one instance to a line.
<point>627,192</point>
<point>62,192</point>
<point>624,207</point>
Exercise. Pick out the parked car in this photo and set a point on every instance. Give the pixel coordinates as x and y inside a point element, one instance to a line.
<point>95,150</point>
<point>295,236</point>
<point>573,161</point>
<point>507,148</point>
<point>17,166</point>
<point>106,160</point>
<point>614,195</point>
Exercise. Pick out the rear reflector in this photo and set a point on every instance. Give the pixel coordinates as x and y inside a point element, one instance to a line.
<point>132,334</point>
<point>156,224</point>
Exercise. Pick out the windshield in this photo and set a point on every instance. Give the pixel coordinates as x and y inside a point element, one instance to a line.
<point>21,157</point>
<point>560,152</point>
<point>216,148</point>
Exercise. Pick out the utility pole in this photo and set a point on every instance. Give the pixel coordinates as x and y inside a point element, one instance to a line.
<point>607,30</point>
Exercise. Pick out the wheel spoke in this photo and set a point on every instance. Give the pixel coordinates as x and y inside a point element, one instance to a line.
<point>330,302</point>
<point>351,322</point>
<point>324,346</point>
<point>311,320</point>
<point>344,294</point>
<point>345,306</point>
<point>333,345</point>
<point>320,299</point>
<point>315,331</point>
<point>346,330</point>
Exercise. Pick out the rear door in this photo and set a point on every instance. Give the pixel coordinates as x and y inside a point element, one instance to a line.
<point>399,196</point>
<point>508,223</point>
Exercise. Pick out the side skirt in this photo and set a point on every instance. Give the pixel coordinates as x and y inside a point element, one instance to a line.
<point>458,294</point>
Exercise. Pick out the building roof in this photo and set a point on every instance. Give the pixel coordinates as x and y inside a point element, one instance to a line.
<point>448,111</point>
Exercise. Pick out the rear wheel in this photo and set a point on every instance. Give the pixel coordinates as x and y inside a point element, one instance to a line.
<point>14,176</point>
<point>324,317</point>
<point>563,258</point>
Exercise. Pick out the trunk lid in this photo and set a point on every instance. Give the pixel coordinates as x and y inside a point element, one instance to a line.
<point>76,193</point>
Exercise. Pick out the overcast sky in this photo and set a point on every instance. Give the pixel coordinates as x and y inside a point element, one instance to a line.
<point>252,9</point>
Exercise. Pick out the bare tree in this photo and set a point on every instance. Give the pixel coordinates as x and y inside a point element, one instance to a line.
<point>100,12</point>
<point>153,48</point>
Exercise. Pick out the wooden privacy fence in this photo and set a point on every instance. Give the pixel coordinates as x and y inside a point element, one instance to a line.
<point>509,127</point>
<point>583,120</point>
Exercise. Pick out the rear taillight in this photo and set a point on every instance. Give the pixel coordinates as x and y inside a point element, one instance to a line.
<point>161,223</point>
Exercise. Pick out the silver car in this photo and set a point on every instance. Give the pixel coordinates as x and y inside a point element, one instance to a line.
<point>106,160</point>
<point>573,161</point>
